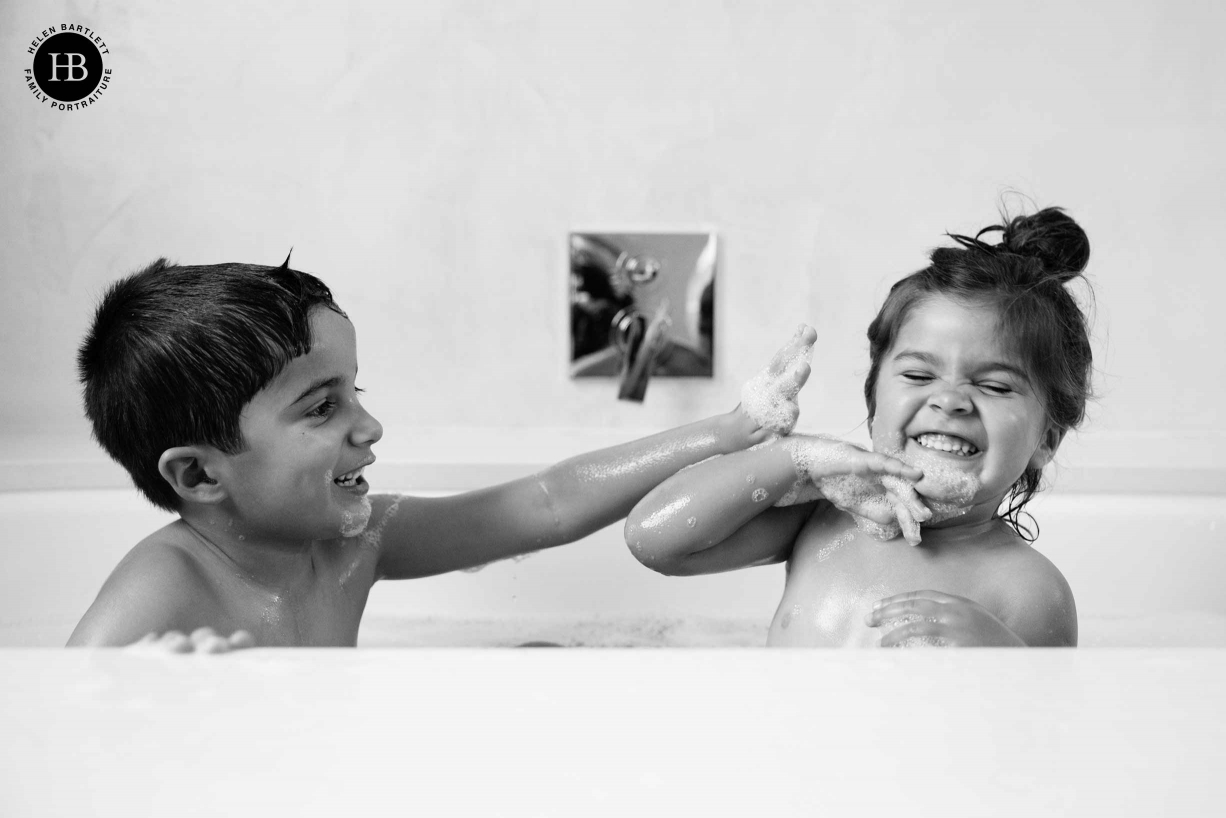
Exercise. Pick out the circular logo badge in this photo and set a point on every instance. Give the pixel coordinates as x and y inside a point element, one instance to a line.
<point>68,70</point>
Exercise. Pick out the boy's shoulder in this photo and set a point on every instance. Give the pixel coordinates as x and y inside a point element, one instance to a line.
<point>159,585</point>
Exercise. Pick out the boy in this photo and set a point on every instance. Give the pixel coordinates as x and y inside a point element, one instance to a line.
<point>228,393</point>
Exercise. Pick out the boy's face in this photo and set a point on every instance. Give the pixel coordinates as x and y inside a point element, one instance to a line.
<point>959,404</point>
<point>307,440</point>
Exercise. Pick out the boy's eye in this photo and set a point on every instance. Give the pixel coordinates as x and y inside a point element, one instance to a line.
<point>323,409</point>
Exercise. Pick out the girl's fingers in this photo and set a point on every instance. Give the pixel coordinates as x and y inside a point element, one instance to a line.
<point>907,496</point>
<point>914,609</point>
<point>919,630</point>
<point>917,597</point>
<point>878,509</point>
<point>910,528</point>
<point>241,639</point>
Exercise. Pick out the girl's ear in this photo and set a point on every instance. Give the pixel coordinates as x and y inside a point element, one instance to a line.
<point>1047,448</point>
<point>185,469</point>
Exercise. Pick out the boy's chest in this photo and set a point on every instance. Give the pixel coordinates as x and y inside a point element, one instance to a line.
<point>836,573</point>
<point>324,612</point>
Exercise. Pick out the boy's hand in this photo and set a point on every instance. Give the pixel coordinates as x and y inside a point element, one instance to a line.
<point>768,399</point>
<point>202,640</point>
<point>872,486</point>
<point>938,619</point>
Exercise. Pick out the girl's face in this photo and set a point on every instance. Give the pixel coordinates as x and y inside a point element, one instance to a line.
<point>958,404</point>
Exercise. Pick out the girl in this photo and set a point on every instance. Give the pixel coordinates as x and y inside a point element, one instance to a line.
<point>980,364</point>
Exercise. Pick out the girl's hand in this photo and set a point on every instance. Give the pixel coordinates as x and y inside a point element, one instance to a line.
<point>938,619</point>
<point>202,640</point>
<point>874,487</point>
<point>768,399</point>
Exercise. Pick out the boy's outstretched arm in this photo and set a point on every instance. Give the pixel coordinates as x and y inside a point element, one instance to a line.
<point>424,536</point>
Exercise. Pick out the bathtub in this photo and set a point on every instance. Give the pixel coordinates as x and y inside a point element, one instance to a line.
<point>705,723</point>
<point>1146,571</point>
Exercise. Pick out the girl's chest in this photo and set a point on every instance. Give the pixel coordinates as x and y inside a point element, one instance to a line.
<point>836,574</point>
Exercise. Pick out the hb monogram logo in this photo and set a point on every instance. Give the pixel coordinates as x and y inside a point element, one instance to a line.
<point>69,71</point>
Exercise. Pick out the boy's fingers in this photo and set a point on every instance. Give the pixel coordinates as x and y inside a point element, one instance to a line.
<point>793,414</point>
<point>802,373</point>
<point>201,635</point>
<point>213,644</point>
<point>176,642</point>
<point>798,347</point>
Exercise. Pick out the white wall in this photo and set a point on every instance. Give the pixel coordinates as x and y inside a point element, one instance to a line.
<point>427,160</point>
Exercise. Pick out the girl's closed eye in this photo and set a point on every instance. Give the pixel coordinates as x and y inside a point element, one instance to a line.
<point>997,388</point>
<point>917,377</point>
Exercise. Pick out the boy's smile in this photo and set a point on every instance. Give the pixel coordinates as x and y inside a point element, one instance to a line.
<point>956,402</point>
<point>308,440</point>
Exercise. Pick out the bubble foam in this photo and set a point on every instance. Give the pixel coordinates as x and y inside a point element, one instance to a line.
<point>769,397</point>
<point>354,523</point>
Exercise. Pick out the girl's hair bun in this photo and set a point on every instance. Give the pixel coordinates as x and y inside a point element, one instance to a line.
<point>1053,238</point>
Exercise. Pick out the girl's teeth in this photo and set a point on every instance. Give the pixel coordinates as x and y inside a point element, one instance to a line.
<point>945,443</point>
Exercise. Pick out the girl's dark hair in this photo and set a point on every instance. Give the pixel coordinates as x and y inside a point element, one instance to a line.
<point>175,353</point>
<point>1023,278</point>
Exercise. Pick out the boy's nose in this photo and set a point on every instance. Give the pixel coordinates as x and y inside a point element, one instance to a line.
<point>951,401</point>
<point>367,430</point>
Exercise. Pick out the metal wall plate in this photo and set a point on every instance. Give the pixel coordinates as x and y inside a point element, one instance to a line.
<point>628,288</point>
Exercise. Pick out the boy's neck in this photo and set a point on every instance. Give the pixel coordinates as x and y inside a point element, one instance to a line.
<point>276,565</point>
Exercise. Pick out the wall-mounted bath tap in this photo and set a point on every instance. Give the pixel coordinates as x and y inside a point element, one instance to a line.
<point>642,304</point>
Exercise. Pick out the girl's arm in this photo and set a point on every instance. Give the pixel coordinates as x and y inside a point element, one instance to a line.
<point>424,536</point>
<point>747,508</point>
<point>719,515</point>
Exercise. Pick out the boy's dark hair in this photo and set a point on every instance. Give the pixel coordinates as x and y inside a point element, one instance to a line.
<point>175,353</point>
<point>1023,278</point>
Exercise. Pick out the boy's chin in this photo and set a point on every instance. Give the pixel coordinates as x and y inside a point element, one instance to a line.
<point>355,518</point>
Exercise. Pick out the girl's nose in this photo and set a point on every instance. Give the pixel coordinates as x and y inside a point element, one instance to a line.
<point>951,401</point>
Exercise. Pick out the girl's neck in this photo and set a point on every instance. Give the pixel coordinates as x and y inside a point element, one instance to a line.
<point>970,528</point>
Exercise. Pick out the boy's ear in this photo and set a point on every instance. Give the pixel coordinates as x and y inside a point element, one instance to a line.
<point>185,468</point>
<point>1047,448</point>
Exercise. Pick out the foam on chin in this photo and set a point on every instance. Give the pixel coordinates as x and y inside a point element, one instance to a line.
<point>354,523</point>
<point>948,490</point>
